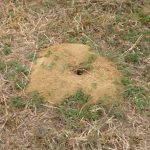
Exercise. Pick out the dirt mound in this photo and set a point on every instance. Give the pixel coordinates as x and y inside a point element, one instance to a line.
<point>61,70</point>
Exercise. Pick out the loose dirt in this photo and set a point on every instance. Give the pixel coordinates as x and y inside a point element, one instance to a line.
<point>61,70</point>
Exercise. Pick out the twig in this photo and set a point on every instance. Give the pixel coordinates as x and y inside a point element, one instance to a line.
<point>5,103</point>
<point>36,25</point>
<point>134,45</point>
<point>96,45</point>
<point>2,127</point>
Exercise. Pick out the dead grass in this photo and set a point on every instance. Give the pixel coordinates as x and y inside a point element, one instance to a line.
<point>28,26</point>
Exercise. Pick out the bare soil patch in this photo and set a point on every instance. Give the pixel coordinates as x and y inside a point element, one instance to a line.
<point>63,69</point>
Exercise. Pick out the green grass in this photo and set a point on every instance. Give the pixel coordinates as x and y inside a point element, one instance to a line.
<point>126,81</point>
<point>138,97</point>
<point>30,55</point>
<point>17,102</point>
<point>35,100</point>
<point>110,28</point>
<point>42,41</point>
<point>140,102</point>
<point>2,65</point>
<point>87,64</point>
<point>134,58</point>
<point>117,112</point>
<point>77,107</point>
<point>18,67</point>
<point>20,85</point>
<point>144,18</point>
<point>11,13</point>
<point>7,50</point>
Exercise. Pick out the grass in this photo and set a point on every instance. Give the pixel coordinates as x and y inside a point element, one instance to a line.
<point>6,50</point>
<point>18,67</point>
<point>110,28</point>
<point>86,64</point>
<point>48,53</point>
<point>35,100</point>
<point>134,58</point>
<point>10,75</point>
<point>20,85</point>
<point>117,112</point>
<point>42,41</point>
<point>144,18</point>
<point>17,102</point>
<point>2,65</point>
<point>30,55</point>
<point>77,107</point>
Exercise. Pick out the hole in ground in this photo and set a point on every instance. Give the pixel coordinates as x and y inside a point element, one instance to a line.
<point>80,71</point>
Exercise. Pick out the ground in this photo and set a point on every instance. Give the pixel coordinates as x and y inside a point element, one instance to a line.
<point>117,29</point>
<point>61,70</point>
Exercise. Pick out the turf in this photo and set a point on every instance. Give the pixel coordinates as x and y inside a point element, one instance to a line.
<point>117,29</point>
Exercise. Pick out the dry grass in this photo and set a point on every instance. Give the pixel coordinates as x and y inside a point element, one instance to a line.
<point>112,28</point>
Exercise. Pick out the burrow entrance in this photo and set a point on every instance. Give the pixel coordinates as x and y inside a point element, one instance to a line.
<point>79,70</point>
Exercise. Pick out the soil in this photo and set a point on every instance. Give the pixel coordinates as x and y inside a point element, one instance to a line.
<point>61,70</point>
